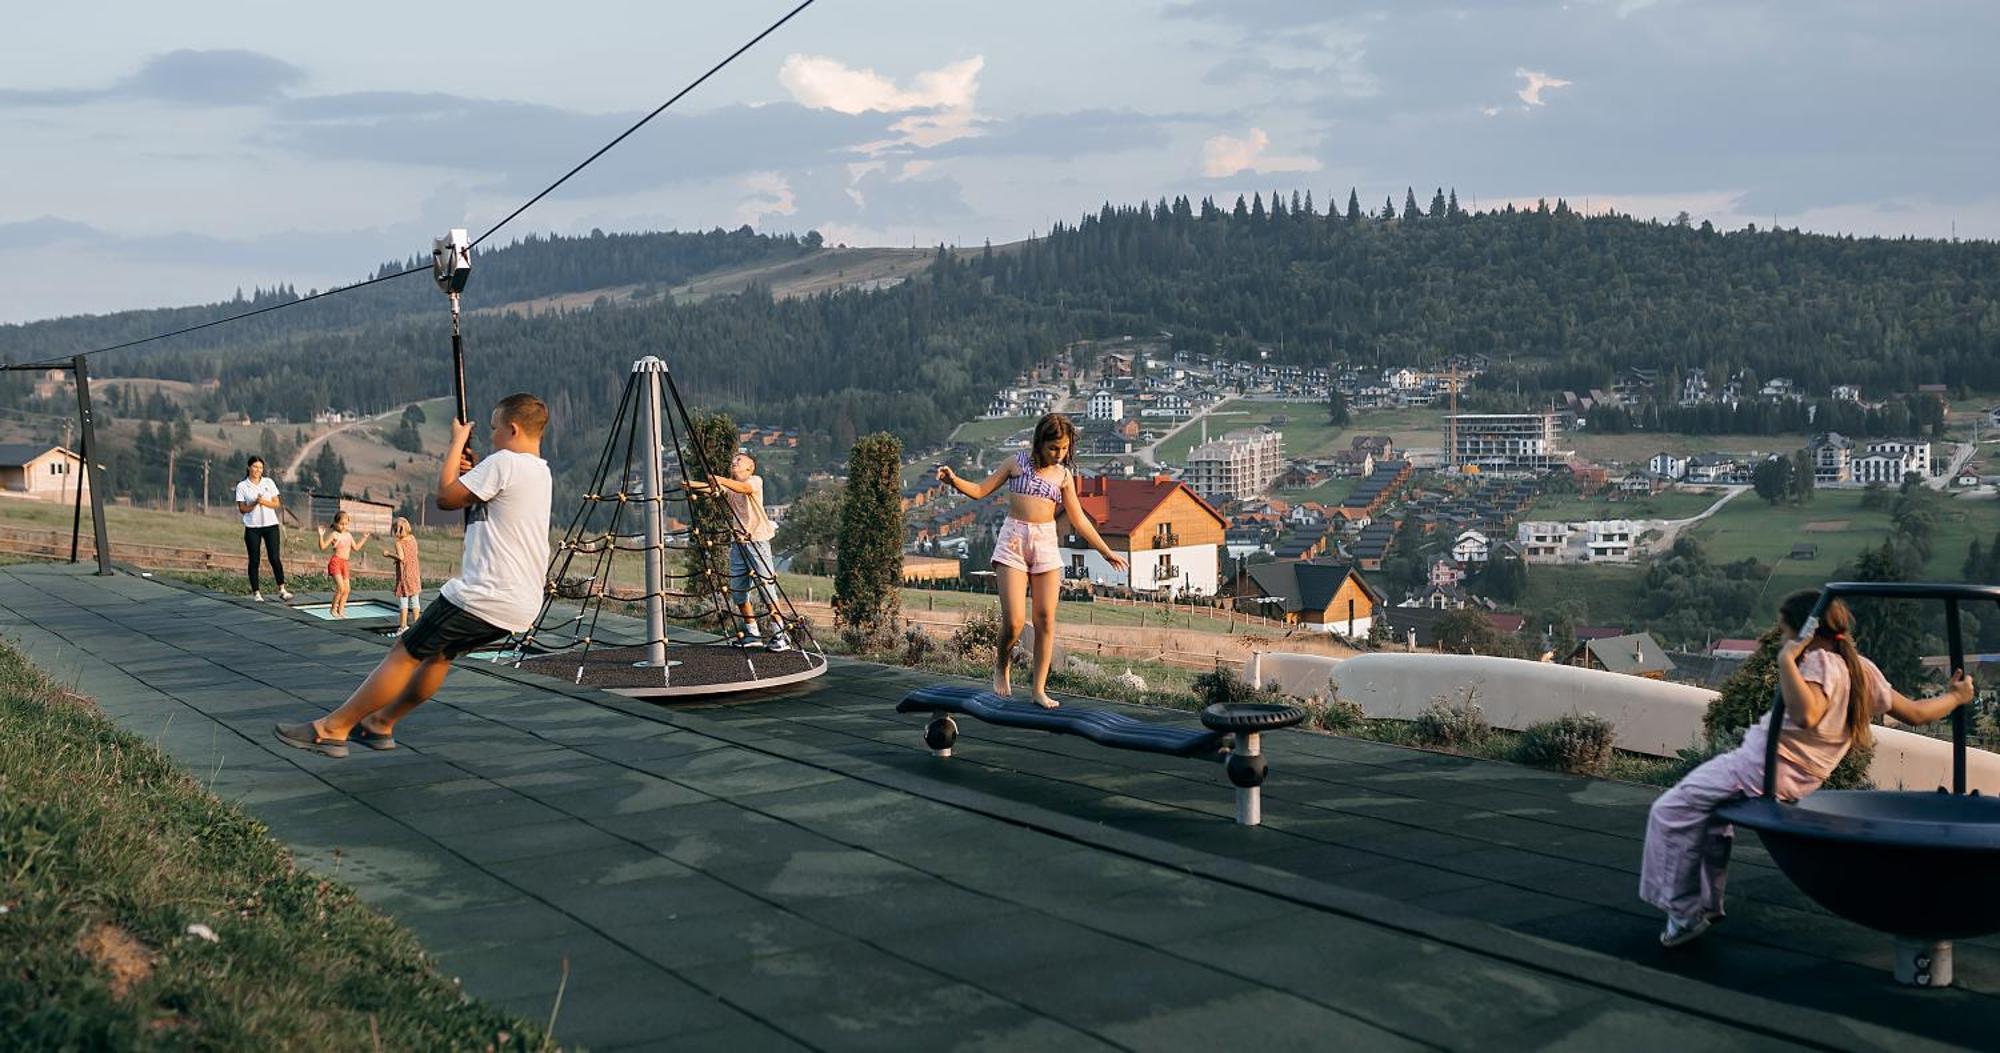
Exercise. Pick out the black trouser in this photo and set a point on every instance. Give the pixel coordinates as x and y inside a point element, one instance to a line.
<point>269,536</point>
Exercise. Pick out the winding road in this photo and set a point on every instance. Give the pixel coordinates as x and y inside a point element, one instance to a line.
<point>291,472</point>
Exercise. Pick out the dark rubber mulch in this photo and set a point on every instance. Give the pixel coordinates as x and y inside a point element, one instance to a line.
<point>699,664</point>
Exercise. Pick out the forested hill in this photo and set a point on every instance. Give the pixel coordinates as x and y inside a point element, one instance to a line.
<point>536,266</point>
<point>1568,299</point>
<point>1558,300</point>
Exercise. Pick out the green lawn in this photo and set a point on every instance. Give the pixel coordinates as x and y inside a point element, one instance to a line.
<point>1608,593</point>
<point>1331,492</point>
<point>144,913</point>
<point>1305,429</point>
<point>916,602</point>
<point>1636,448</point>
<point>1670,504</point>
<point>992,432</point>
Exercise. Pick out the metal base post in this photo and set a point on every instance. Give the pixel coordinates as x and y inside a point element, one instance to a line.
<point>1921,963</point>
<point>1249,798</point>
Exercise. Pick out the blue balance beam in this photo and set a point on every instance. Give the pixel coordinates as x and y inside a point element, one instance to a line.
<point>1242,759</point>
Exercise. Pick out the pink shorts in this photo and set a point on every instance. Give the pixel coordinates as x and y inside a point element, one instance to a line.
<point>1027,546</point>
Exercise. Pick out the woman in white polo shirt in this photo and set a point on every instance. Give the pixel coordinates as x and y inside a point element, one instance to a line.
<point>257,499</point>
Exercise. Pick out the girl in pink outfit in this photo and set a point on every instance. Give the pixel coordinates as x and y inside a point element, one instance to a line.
<point>409,577</point>
<point>1027,557</point>
<point>1832,695</point>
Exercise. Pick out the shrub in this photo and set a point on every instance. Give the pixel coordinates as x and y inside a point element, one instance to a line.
<point>918,645</point>
<point>1450,725</point>
<point>978,637</point>
<point>1579,743</point>
<point>1224,687</point>
<point>1332,713</point>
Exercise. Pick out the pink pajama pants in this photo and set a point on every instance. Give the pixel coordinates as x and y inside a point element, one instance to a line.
<point>1687,848</point>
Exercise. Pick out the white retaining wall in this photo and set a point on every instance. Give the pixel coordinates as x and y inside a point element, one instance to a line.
<point>1652,716</point>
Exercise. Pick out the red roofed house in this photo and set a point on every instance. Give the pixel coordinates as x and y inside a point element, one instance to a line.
<point>1168,535</point>
<point>1731,648</point>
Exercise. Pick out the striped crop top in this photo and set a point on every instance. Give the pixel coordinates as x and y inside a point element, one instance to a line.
<point>1029,482</point>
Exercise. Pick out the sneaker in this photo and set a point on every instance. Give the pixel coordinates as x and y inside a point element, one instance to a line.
<point>780,643</point>
<point>256,597</point>
<point>284,593</point>
<point>1679,932</point>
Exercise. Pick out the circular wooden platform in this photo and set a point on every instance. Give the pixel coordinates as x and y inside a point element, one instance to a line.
<point>697,669</point>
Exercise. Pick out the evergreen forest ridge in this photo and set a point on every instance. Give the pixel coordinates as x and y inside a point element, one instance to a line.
<point>1554,301</point>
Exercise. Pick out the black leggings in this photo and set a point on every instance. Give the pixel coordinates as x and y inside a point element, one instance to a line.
<point>269,536</point>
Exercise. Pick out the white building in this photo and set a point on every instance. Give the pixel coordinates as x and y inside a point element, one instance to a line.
<point>1242,463</point>
<point>1543,542</point>
<point>1846,393</point>
<point>1889,460</point>
<point>1667,466</point>
<point>1833,454</point>
<point>1106,406</point>
<point>1503,442</point>
<point>1609,540</point>
<point>1172,405</point>
<point>1170,538</point>
<point>1471,547</point>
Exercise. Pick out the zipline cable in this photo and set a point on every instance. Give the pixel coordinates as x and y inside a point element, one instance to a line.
<point>490,231</point>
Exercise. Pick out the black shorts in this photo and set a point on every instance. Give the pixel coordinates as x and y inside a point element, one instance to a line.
<point>446,629</point>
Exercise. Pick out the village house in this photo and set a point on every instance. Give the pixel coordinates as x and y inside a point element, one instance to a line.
<point>1323,597</point>
<point>1167,533</point>
<point>1636,654</point>
<point>1106,406</point>
<point>42,472</point>
<point>1471,547</point>
<point>1667,466</point>
<point>1887,461</point>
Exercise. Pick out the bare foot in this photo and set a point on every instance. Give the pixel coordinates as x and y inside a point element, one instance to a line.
<point>1046,702</point>
<point>1003,685</point>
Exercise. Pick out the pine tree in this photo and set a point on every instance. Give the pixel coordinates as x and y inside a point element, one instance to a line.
<point>1308,205</point>
<point>1410,213</point>
<point>1257,207</point>
<point>707,565</point>
<point>869,569</point>
<point>1353,206</point>
<point>1297,208</point>
<point>1388,209</point>
<point>1242,209</point>
<point>1336,407</point>
<point>1451,206</point>
<point>1439,208</point>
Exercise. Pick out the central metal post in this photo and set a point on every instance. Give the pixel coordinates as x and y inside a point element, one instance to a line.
<point>654,486</point>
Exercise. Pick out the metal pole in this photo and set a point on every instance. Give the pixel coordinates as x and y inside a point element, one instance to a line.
<point>655,491</point>
<point>82,367</point>
<point>458,382</point>
<point>76,509</point>
<point>1957,642</point>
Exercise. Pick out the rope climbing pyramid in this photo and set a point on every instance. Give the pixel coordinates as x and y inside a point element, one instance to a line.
<point>651,494</point>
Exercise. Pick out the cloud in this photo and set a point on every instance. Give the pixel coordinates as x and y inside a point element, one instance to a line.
<point>45,230</point>
<point>1225,155</point>
<point>228,77</point>
<point>769,194</point>
<point>520,146</point>
<point>1534,83</point>
<point>938,105</point>
<point>822,83</point>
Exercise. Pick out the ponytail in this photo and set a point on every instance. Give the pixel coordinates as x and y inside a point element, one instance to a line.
<point>1860,715</point>
<point>1836,628</point>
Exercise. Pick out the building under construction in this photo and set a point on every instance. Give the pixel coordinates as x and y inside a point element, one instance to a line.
<point>1502,442</point>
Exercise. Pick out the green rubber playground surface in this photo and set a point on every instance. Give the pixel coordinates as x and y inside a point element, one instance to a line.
<point>794,870</point>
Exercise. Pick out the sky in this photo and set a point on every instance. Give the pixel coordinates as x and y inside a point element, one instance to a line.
<point>163,154</point>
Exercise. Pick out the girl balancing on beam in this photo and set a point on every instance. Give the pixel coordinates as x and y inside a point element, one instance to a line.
<point>1027,558</point>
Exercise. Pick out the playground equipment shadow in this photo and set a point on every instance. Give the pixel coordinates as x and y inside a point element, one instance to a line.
<point>793,869</point>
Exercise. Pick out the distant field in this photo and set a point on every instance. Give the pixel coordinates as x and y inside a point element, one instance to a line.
<point>1609,594</point>
<point>1639,447</point>
<point>988,432</point>
<point>1307,434</point>
<point>1333,491</point>
<point>1671,504</point>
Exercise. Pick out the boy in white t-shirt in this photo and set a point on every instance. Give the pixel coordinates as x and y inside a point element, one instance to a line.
<point>497,593</point>
<point>750,566</point>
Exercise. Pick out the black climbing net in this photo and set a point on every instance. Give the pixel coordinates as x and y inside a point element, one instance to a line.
<point>693,552</point>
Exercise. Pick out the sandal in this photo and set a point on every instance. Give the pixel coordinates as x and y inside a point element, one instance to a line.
<point>307,737</point>
<point>374,740</point>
